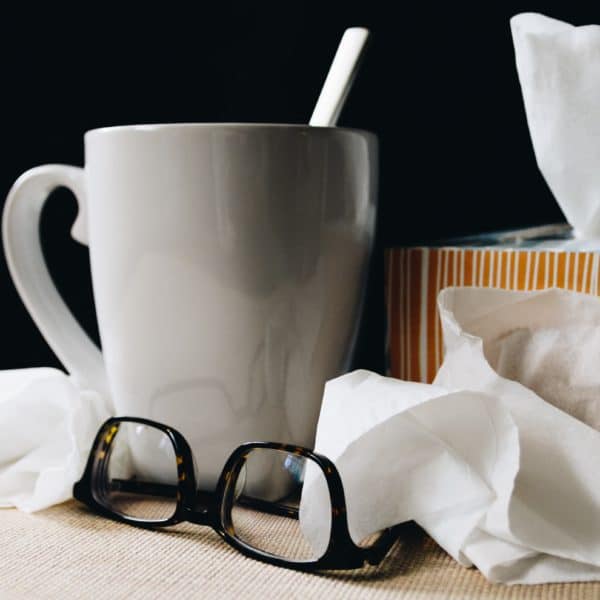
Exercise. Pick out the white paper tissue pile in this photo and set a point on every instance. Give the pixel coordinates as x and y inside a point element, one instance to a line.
<point>47,425</point>
<point>559,70</point>
<point>497,475</point>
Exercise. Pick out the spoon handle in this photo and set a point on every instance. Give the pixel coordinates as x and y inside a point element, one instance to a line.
<point>340,77</point>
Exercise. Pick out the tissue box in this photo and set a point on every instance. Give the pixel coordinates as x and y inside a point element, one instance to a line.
<point>528,259</point>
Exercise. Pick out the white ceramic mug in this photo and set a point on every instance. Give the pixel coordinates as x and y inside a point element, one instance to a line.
<point>228,265</point>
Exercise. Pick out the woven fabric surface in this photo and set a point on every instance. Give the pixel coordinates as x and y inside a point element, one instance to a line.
<point>67,552</point>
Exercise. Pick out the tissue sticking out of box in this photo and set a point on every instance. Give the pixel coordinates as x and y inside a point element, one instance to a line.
<point>559,71</point>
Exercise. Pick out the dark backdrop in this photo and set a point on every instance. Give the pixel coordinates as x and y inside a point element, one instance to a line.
<point>438,85</point>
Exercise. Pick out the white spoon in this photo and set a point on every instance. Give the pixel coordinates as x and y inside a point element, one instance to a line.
<point>340,78</point>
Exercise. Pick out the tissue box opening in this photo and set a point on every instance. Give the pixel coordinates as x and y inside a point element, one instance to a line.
<point>527,259</point>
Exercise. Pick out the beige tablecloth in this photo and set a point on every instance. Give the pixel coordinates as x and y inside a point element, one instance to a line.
<point>66,552</point>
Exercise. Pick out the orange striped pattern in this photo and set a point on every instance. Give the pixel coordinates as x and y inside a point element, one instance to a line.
<point>414,276</point>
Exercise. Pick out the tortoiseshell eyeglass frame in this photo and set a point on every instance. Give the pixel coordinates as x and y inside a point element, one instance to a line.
<point>214,509</point>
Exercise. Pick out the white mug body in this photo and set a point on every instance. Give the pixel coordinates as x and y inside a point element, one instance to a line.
<point>228,265</point>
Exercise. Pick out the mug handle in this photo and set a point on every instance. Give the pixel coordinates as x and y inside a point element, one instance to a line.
<point>23,250</point>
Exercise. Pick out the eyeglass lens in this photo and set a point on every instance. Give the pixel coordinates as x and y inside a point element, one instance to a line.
<point>135,472</point>
<point>269,491</point>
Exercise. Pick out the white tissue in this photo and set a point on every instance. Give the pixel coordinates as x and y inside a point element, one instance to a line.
<point>47,426</point>
<point>499,477</point>
<point>559,71</point>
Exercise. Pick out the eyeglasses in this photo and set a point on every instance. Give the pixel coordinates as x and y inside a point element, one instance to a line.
<point>278,503</point>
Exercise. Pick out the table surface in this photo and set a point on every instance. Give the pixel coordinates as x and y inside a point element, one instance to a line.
<point>67,552</point>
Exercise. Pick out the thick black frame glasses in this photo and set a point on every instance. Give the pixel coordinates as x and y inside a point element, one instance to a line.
<point>214,509</point>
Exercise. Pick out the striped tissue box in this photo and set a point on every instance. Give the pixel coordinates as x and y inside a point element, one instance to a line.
<point>530,259</point>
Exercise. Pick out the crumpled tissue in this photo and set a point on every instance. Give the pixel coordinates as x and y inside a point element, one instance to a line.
<point>559,71</point>
<point>47,426</point>
<point>498,475</point>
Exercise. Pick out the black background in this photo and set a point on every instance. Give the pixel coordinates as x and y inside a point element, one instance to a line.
<point>438,85</point>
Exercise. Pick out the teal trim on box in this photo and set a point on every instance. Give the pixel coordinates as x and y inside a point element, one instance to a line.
<point>511,238</point>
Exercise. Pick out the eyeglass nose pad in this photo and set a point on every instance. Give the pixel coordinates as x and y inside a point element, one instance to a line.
<point>240,483</point>
<point>235,478</point>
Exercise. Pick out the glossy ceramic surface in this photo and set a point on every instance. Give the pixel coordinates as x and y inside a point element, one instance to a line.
<point>228,264</point>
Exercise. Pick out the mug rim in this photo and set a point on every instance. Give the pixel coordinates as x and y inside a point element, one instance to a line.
<point>156,127</point>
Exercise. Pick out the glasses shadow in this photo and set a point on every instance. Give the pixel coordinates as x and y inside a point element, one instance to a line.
<point>411,551</point>
<point>183,531</point>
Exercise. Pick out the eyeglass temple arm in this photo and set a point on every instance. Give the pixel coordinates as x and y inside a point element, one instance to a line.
<point>166,490</point>
<point>273,508</point>
<point>376,553</point>
<point>163,490</point>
